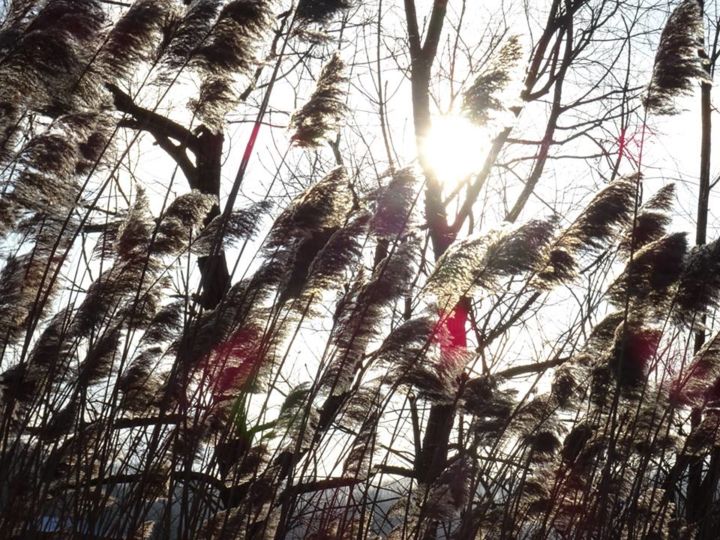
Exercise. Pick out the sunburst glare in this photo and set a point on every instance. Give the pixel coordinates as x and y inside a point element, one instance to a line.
<point>454,148</point>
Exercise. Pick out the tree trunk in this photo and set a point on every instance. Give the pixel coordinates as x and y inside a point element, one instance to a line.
<point>701,493</point>
<point>215,278</point>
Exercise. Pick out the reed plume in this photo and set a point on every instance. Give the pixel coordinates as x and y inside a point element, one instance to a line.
<point>484,97</point>
<point>678,64</point>
<point>323,114</point>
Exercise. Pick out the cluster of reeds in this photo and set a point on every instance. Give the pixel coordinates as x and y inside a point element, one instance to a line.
<point>133,406</point>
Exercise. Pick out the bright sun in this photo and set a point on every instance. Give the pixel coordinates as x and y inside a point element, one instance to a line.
<point>454,148</point>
